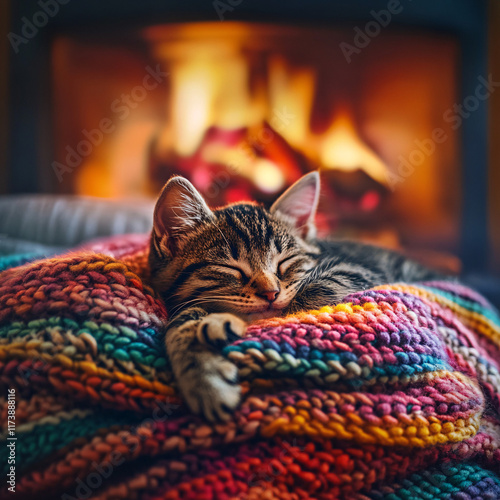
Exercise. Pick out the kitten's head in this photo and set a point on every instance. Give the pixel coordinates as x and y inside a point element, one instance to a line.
<point>241,258</point>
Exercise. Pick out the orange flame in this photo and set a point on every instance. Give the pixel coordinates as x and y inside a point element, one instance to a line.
<point>341,148</point>
<point>214,83</point>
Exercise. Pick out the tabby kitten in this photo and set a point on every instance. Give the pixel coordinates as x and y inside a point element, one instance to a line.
<point>219,269</point>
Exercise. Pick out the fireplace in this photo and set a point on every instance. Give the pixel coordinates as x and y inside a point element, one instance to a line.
<point>244,109</point>
<point>244,98</point>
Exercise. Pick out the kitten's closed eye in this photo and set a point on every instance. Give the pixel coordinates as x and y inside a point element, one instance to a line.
<point>234,270</point>
<point>285,264</point>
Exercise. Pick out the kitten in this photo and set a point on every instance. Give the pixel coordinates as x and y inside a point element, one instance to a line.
<point>219,269</point>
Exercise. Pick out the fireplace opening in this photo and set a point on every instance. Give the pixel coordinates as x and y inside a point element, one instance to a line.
<point>244,109</point>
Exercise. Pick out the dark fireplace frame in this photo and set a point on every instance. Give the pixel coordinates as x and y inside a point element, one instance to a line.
<point>30,151</point>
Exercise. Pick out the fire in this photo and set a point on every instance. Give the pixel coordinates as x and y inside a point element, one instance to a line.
<point>231,104</point>
<point>292,90</point>
<point>215,86</point>
<point>209,91</point>
<point>210,77</point>
<point>267,176</point>
<point>341,148</point>
<point>246,108</point>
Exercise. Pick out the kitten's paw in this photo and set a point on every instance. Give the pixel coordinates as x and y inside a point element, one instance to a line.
<point>212,389</point>
<point>219,329</point>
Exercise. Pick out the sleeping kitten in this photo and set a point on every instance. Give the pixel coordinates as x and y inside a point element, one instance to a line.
<point>219,269</point>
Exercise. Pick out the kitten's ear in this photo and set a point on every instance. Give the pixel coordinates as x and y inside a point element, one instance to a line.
<point>179,209</point>
<point>298,204</point>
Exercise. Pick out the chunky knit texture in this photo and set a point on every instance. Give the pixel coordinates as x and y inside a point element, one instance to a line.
<point>392,394</point>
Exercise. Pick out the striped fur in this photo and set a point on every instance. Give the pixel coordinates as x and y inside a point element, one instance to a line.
<point>218,270</point>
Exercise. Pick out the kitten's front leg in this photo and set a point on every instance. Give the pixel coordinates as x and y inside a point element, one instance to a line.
<point>207,380</point>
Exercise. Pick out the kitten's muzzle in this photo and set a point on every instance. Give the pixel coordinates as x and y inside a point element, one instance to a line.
<point>270,295</point>
<point>267,286</point>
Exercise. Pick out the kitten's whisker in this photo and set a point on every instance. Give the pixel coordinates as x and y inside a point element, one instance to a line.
<point>195,302</point>
<point>205,300</point>
<point>222,234</point>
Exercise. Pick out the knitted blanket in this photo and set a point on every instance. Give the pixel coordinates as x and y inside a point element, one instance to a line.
<point>392,394</point>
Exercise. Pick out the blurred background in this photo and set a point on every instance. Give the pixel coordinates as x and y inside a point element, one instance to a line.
<point>394,101</point>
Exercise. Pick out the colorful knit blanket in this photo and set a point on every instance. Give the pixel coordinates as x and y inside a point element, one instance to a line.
<point>392,394</point>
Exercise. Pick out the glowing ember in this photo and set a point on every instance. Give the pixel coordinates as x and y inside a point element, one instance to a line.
<point>267,176</point>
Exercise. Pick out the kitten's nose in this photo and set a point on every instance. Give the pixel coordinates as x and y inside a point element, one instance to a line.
<point>270,295</point>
